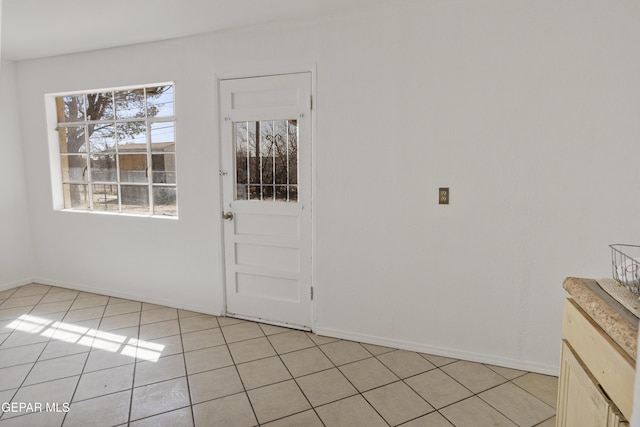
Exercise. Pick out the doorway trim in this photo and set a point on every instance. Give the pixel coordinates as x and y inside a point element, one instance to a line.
<point>265,72</point>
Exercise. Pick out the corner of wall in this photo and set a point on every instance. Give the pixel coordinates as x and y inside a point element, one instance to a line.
<point>17,255</point>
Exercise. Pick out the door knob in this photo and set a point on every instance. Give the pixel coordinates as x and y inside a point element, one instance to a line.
<point>227,215</point>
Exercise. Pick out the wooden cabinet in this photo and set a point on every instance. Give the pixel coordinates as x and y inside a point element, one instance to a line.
<point>581,402</point>
<point>596,377</point>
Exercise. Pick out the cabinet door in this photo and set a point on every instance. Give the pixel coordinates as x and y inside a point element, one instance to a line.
<point>611,367</point>
<point>616,420</point>
<point>580,401</point>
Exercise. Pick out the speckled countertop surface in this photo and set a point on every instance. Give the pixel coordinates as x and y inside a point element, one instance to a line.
<point>618,322</point>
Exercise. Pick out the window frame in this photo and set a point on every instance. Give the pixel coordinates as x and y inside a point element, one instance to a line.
<point>55,155</point>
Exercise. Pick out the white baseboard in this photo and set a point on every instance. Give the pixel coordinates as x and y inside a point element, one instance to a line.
<point>335,333</point>
<point>126,295</point>
<point>5,286</point>
<point>445,352</point>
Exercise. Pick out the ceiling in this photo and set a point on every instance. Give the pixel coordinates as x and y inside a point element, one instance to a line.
<point>40,28</point>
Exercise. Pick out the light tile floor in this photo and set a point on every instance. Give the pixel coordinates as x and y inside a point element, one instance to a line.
<point>78,359</point>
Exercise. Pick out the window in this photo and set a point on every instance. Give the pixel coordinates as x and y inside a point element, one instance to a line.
<point>266,160</point>
<point>116,151</point>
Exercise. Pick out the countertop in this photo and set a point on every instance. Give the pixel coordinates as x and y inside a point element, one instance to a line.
<point>616,321</point>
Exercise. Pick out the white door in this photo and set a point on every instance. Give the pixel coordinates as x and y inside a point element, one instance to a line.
<point>266,178</point>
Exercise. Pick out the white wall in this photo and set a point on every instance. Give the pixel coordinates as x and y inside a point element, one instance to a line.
<point>16,265</point>
<point>157,260</point>
<point>527,110</point>
<point>16,254</point>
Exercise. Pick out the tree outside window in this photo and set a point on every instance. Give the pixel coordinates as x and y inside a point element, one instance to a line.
<point>117,150</point>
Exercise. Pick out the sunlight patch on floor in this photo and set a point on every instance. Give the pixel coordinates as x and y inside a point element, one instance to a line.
<point>89,337</point>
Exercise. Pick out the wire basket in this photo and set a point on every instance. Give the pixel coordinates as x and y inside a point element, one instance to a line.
<point>625,262</point>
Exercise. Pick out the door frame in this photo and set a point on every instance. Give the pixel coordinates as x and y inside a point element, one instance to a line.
<point>220,122</point>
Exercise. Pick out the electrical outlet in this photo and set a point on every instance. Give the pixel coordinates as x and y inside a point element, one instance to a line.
<point>443,196</point>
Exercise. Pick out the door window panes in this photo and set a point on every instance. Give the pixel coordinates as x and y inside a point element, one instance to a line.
<point>266,161</point>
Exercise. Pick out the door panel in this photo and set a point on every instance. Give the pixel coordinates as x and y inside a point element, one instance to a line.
<point>268,288</point>
<point>267,255</point>
<point>267,224</point>
<point>266,164</point>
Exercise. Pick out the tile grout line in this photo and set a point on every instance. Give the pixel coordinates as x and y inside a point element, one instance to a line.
<point>84,365</point>
<point>186,372</point>
<point>135,363</point>
<point>361,394</point>
<point>436,409</point>
<point>42,351</point>
<point>163,380</point>
<point>315,345</point>
<point>244,388</point>
<point>313,408</point>
<point>34,363</point>
<point>46,343</point>
<point>544,421</point>
<point>403,381</point>
<point>516,385</point>
<point>473,394</point>
<point>531,394</point>
<point>400,380</point>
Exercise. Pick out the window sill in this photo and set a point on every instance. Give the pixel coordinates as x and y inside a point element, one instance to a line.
<point>120,214</point>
